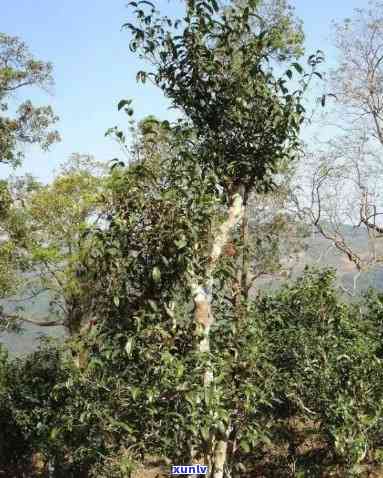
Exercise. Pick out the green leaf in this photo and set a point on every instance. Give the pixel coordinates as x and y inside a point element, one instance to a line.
<point>323,100</point>
<point>215,5</point>
<point>153,305</point>
<point>297,67</point>
<point>205,432</point>
<point>53,434</point>
<point>156,274</point>
<point>245,446</point>
<point>141,76</point>
<point>129,346</point>
<point>146,2</point>
<point>135,391</point>
<point>181,243</point>
<point>221,428</point>
<point>123,103</point>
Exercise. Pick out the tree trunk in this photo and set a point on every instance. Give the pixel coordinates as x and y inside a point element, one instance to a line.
<point>241,284</point>
<point>202,297</point>
<point>245,252</point>
<point>220,453</point>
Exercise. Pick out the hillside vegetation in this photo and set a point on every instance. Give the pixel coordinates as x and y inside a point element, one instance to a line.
<point>188,282</point>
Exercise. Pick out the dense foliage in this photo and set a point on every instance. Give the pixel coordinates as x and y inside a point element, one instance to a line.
<point>302,378</point>
<point>43,242</point>
<point>30,124</point>
<point>150,268</point>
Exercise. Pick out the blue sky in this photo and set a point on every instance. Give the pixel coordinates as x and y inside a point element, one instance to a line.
<point>94,69</point>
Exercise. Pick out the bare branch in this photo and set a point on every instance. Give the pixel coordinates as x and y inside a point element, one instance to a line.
<point>40,323</point>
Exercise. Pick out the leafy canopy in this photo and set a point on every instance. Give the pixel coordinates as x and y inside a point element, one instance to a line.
<point>214,67</point>
<point>29,124</point>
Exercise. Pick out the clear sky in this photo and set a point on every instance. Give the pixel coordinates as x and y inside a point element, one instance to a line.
<point>94,69</point>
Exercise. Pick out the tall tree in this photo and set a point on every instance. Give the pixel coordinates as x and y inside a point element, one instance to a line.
<point>44,238</point>
<point>30,124</point>
<point>346,172</point>
<point>168,234</point>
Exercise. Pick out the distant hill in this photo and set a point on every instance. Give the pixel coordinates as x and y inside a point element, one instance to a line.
<point>319,253</point>
<point>316,251</point>
<point>19,344</point>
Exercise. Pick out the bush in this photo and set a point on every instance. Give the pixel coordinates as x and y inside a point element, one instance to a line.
<point>300,382</point>
<point>329,375</point>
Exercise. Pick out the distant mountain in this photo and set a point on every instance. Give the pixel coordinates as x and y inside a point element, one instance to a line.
<point>19,344</point>
<point>316,251</point>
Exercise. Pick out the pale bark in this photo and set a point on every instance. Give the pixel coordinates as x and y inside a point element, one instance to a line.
<point>235,214</point>
<point>220,453</point>
<point>202,297</point>
<point>202,293</point>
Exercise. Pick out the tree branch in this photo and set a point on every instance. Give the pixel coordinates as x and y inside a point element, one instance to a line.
<point>40,323</point>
